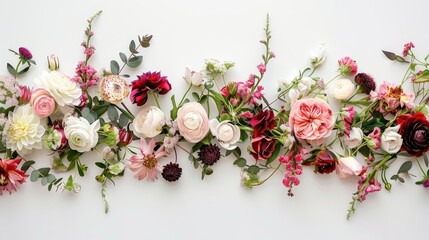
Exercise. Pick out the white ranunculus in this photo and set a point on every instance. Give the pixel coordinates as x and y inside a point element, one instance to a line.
<point>148,122</point>
<point>318,57</point>
<point>24,130</point>
<point>342,89</point>
<point>226,133</point>
<point>81,135</point>
<point>348,166</point>
<point>391,140</point>
<point>61,87</point>
<point>194,78</point>
<point>355,138</point>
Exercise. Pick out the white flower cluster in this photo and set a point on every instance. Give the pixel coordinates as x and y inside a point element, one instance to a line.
<point>215,68</point>
<point>9,91</point>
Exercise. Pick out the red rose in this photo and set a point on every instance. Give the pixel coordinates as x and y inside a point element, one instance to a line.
<point>414,129</point>
<point>262,122</point>
<point>146,82</point>
<point>263,148</point>
<point>324,162</point>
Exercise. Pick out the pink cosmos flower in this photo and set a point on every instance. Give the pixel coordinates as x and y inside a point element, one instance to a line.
<point>392,97</point>
<point>146,163</point>
<point>347,66</point>
<point>312,120</point>
<point>10,176</point>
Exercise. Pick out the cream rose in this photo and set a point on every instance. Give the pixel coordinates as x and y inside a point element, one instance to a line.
<point>226,133</point>
<point>147,123</point>
<point>354,139</point>
<point>342,89</point>
<point>81,135</point>
<point>62,88</point>
<point>348,166</point>
<point>391,140</point>
<point>193,122</point>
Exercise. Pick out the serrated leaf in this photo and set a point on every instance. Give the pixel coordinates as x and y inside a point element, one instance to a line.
<point>27,165</point>
<point>123,57</point>
<point>11,69</point>
<point>112,113</point>
<point>135,61</point>
<point>114,67</point>
<point>241,162</point>
<point>34,176</point>
<point>405,167</point>
<point>253,169</point>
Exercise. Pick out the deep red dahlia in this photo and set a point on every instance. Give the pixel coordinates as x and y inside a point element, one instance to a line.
<point>146,82</point>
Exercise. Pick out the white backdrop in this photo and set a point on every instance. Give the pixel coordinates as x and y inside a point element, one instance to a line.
<point>185,33</point>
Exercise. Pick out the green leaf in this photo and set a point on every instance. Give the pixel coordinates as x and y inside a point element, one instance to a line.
<point>123,57</point>
<point>11,69</point>
<point>204,99</point>
<point>72,165</point>
<point>195,96</point>
<point>241,162</point>
<point>44,171</point>
<point>237,152</point>
<point>24,70</point>
<point>51,178</point>
<point>173,112</point>
<point>44,181</point>
<point>69,183</point>
<point>123,120</point>
<point>86,113</point>
<point>34,176</point>
<point>132,47</point>
<point>422,77</point>
<point>253,169</point>
<point>405,167</point>
<point>73,155</point>
<point>425,159</point>
<point>274,155</point>
<point>114,67</point>
<point>100,165</point>
<point>27,165</point>
<point>100,109</point>
<point>196,163</point>
<point>112,113</point>
<point>208,171</point>
<point>135,61</point>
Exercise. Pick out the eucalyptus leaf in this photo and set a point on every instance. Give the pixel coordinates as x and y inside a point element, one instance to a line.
<point>241,162</point>
<point>112,113</point>
<point>114,67</point>
<point>34,176</point>
<point>405,167</point>
<point>253,169</point>
<point>132,47</point>
<point>135,61</point>
<point>27,165</point>
<point>123,57</point>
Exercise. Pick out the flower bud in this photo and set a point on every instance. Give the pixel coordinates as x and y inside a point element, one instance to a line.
<point>53,62</point>
<point>125,137</point>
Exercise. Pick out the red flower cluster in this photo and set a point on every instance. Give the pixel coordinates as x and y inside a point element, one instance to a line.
<point>414,129</point>
<point>10,176</point>
<point>147,82</point>
<point>262,146</point>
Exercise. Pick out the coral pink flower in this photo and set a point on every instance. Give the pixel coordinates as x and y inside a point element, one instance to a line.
<point>146,163</point>
<point>10,176</point>
<point>348,66</point>
<point>312,120</point>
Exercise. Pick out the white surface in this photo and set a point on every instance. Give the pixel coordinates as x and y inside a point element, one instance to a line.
<point>185,33</point>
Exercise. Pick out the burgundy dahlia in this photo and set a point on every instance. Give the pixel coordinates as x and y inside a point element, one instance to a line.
<point>146,82</point>
<point>366,82</point>
<point>172,172</point>
<point>25,53</point>
<point>414,129</point>
<point>209,154</point>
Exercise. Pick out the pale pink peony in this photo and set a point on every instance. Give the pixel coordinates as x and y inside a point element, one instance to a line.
<point>146,164</point>
<point>43,102</point>
<point>193,122</point>
<point>312,120</point>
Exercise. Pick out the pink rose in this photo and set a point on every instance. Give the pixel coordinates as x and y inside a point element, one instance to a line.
<point>312,120</point>
<point>193,122</point>
<point>43,102</point>
<point>348,166</point>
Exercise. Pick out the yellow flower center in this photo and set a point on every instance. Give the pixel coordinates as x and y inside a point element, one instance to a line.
<point>18,130</point>
<point>150,161</point>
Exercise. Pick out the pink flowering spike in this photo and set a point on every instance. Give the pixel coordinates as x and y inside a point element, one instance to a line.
<point>262,68</point>
<point>407,48</point>
<point>347,66</point>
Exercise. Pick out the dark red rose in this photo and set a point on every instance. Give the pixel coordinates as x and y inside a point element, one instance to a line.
<point>262,122</point>
<point>146,82</point>
<point>25,53</point>
<point>263,148</point>
<point>324,162</point>
<point>414,129</point>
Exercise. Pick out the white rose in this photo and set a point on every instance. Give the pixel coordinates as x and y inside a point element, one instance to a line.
<point>194,78</point>
<point>226,133</point>
<point>62,88</point>
<point>148,122</point>
<point>355,138</point>
<point>318,57</point>
<point>81,135</point>
<point>391,140</point>
<point>342,89</point>
<point>348,166</point>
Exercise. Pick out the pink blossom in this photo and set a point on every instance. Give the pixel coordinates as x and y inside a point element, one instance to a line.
<point>311,120</point>
<point>262,68</point>
<point>10,176</point>
<point>89,51</point>
<point>25,94</point>
<point>251,81</point>
<point>347,66</point>
<point>374,141</point>
<point>245,114</point>
<point>407,48</point>
<point>43,102</point>
<point>391,97</point>
<point>146,164</point>
<point>348,166</point>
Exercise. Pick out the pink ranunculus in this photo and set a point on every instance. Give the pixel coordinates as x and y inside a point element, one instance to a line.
<point>193,122</point>
<point>348,166</point>
<point>312,120</point>
<point>43,102</point>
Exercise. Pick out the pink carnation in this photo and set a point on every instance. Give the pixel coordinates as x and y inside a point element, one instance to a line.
<point>347,66</point>
<point>312,120</point>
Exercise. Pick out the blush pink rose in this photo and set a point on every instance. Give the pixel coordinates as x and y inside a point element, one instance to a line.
<point>348,166</point>
<point>43,102</point>
<point>312,120</point>
<point>193,122</point>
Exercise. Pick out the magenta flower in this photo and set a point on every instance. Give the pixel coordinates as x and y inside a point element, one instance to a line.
<point>262,68</point>
<point>407,48</point>
<point>146,163</point>
<point>25,53</point>
<point>347,66</point>
<point>10,175</point>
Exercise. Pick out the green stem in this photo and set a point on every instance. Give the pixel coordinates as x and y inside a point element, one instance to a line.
<point>263,181</point>
<point>421,169</point>
<point>155,96</point>
<point>17,66</point>
<point>184,95</point>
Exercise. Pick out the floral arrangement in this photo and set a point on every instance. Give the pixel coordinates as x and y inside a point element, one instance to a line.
<point>370,127</point>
